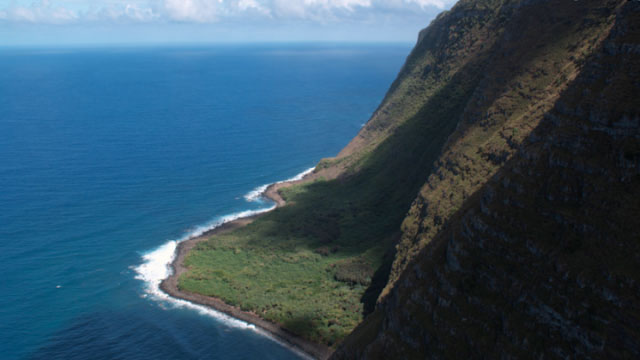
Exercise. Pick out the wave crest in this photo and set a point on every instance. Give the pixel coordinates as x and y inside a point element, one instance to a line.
<point>257,193</point>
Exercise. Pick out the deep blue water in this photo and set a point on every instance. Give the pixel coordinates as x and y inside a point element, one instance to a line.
<point>106,155</point>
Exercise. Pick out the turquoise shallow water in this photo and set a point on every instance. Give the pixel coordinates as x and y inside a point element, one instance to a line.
<point>108,155</point>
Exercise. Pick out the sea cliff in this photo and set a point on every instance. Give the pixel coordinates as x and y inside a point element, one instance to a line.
<point>486,209</point>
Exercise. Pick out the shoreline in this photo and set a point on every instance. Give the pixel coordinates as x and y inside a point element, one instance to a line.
<point>170,284</point>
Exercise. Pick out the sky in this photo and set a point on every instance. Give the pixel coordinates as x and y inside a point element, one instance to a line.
<point>97,22</point>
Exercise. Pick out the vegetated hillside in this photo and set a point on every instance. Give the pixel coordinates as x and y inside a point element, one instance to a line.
<point>542,261</point>
<point>540,50</point>
<point>479,81</point>
<point>318,264</point>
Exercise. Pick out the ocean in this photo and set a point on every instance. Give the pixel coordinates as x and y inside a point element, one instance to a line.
<point>110,156</point>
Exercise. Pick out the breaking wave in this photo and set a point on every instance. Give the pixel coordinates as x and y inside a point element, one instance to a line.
<point>256,194</point>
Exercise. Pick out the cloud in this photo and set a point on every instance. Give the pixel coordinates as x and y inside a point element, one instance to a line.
<point>141,14</point>
<point>249,5</point>
<point>194,10</point>
<point>344,4</point>
<point>318,10</point>
<point>440,4</point>
<point>40,12</point>
<point>207,11</point>
<point>48,12</point>
<point>124,13</point>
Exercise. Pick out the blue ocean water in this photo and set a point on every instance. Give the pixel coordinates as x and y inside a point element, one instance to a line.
<point>107,155</point>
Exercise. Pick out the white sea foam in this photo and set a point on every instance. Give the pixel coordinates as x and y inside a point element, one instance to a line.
<point>257,193</point>
<point>300,176</point>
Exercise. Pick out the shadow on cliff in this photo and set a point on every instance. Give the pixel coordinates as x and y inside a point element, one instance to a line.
<point>542,260</point>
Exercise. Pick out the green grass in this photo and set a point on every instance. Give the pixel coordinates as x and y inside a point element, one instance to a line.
<point>295,288</point>
<point>299,265</point>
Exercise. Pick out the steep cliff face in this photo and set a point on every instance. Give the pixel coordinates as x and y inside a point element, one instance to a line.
<point>540,49</point>
<point>524,242</point>
<point>453,48</point>
<point>487,209</point>
<point>326,256</point>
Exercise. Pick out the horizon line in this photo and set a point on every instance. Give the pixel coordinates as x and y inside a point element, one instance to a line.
<point>151,44</point>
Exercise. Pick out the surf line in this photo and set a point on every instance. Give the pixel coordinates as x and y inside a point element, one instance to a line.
<point>258,193</point>
<point>157,266</point>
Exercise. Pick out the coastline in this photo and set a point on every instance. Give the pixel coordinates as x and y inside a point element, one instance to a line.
<point>170,284</point>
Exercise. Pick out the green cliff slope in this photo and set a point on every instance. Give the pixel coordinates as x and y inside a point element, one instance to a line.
<point>479,92</point>
<point>540,49</point>
<point>318,264</point>
<point>543,260</point>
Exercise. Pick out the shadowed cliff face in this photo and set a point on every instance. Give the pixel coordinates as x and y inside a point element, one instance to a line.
<point>524,242</point>
<point>455,45</point>
<point>540,50</point>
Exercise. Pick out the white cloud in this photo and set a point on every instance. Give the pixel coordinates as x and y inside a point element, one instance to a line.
<point>46,12</point>
<point>207,11</point>
<point>247,5</point>
<point>40,12</point>
<point>344,4</point>
<point>193,10</point>
<point>141,14</point>
<point>440,4</point>
<point>318,10</point>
